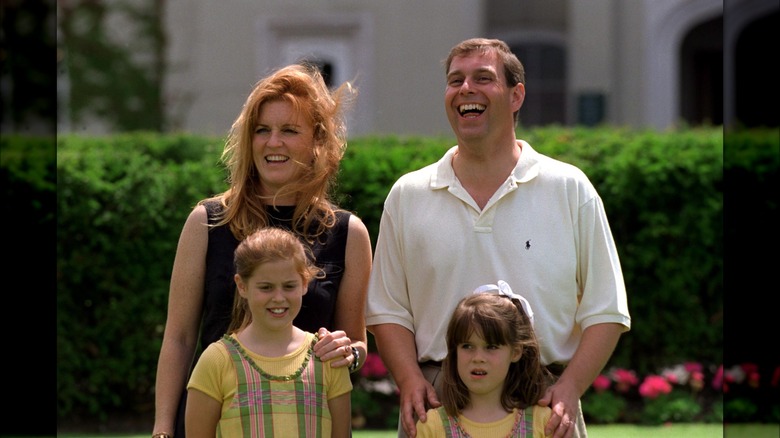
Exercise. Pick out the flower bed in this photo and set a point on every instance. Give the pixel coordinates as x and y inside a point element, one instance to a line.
<point>685,393</point>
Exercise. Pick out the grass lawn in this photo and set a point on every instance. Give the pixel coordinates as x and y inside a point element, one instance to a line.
<point>594,431</point>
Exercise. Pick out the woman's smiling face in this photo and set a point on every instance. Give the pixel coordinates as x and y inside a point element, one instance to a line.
<point>282,145</point>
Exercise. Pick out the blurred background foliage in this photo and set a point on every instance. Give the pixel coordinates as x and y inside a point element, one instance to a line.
<point>119,81</point>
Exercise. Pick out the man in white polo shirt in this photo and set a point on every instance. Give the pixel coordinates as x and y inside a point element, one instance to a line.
<point>492,207</point>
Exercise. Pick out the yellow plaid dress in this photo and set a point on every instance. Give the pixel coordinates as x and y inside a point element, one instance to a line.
<point>298,401</point>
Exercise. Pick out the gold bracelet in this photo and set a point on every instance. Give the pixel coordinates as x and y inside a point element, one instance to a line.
<point>162,435</point>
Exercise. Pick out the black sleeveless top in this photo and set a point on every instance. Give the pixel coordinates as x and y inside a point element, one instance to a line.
<point>319,303</point>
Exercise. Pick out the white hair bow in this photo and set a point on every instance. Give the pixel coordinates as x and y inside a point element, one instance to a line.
<point>503,289</point>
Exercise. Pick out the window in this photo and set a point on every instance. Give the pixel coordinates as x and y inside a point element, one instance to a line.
<point>545,79</point>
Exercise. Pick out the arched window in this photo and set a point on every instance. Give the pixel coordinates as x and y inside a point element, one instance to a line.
<point>701,74</point>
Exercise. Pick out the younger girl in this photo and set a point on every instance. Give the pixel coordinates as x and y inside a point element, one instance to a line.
<point>493,375</point>
<point>263,380</point>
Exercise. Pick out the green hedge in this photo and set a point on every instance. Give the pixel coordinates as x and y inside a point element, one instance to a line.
<point>121,201</point>
<point>120,207</point>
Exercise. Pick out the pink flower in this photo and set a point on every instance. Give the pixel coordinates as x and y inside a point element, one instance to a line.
<point>693,367</point>
<point>374,368</point>
<point>653,386</point>
<point>753,379</point>
<point>717,380</point>
<point>601,383</point>
<point>776,376</point>
<point>749,368</point>
<point>624,379</point>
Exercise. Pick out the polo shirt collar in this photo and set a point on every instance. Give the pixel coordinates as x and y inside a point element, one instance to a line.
<point>526,169</point>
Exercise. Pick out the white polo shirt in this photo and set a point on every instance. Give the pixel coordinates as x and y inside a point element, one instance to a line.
<point>545,232</point>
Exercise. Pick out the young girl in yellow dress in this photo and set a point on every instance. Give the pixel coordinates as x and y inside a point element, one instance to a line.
<point>263,380</point>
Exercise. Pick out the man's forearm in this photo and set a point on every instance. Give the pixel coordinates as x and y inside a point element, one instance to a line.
<point>397,348</point>
<point>596,347</point>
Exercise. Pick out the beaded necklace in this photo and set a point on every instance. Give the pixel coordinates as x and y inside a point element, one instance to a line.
<point>295,375</point>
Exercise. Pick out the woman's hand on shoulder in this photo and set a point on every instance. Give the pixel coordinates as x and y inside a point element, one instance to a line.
<point>334,346</point>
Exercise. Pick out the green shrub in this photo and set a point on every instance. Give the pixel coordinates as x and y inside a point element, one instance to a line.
<point>120,207</point>
<point>675,407</point>
<point>603,407</point>
<point>740,410</point>
<point>715,414</point>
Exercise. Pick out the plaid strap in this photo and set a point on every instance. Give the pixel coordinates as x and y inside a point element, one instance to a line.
<point>524,425</point>
<point>260,396</point>
<point>450,427</point>
<point>526,428</point>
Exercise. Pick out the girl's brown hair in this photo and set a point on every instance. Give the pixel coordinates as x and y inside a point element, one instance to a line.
<point>499,320</point>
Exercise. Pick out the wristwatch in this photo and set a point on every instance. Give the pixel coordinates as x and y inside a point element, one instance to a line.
<point>355,363</point>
